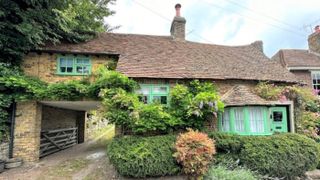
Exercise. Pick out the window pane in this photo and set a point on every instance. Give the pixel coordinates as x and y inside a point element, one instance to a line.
<point>69,69</point>
<point>144,90</point>
<point>256,119</point>
<point>144,99</point>
<point>238,119</point>
<point>63,62</point>
<point>80,69</point>
<point>226,120</point>
<point>160,99</point>
<point>69,62</point>
<point>79,61</point>
<point>62,69</point>
<point>160,90</point>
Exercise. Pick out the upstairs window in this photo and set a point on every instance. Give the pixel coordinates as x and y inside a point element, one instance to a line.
<point>74,65</point>
<point>316,81</point>
<point>154,93</point>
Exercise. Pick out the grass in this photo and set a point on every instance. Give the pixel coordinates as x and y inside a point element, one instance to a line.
<point>222,173</point>
<point>66,169</point>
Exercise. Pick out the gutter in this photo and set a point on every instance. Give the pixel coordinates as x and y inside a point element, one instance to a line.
<point>12,125</point>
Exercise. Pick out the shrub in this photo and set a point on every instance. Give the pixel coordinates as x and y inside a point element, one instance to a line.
<point>222,173</point>
<point>143,156</point>
<point>193,104</point>
<point>71,90</point>
<point>280,155</point>
<point>194,151</point>
<point>283,155</point>
<point>153,118</point>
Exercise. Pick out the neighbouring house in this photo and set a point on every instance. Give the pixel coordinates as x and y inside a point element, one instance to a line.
<point>157,63</point>
<point>304,63</point>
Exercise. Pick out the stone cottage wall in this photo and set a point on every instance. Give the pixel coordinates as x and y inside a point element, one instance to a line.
<point>303,76</point>
<point>27,131</point>
<point>57,118</point>
<point>44,66</point>
<point>4,151</point>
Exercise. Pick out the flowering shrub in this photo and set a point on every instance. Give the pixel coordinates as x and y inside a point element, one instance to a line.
<point>194,104</point>
<point>306,104</point>
<point>194,151</point>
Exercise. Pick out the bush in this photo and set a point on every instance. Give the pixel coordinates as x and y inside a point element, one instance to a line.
<point>222,173</point>
<point>194,151</point>
<point>281,155</point>
<point>143,156</point>
<point>285,155</point>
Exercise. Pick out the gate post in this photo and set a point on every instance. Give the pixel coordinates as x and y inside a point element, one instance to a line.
<point>27,131</point>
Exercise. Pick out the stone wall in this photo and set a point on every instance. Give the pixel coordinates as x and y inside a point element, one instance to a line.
<point>57,118</point>
<point>314,42</point>
<point>27,131</point>
<point>4,151</point>
<point>304,76</point>
<point>44,66</point>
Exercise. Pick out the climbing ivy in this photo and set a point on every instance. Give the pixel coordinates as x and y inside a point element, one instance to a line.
<point>306,105</point>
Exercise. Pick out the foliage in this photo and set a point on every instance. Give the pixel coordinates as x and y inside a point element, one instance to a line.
<point>194,151</point>
<point>281,155</point>
<point>26,25</point>
<point>287,155</point>
<point>310,124</point>
<point>71,90</point>
<point>306,105</point>
<point>195,103</point>
<point>107,79</point>
<point>119,106</point>
<point>222,173</point>
<point>153,117</point>
<point>143,156</point>
<point>268,91</point>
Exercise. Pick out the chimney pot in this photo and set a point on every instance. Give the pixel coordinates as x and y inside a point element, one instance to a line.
<point>317,28</point>
<point>177,7</point>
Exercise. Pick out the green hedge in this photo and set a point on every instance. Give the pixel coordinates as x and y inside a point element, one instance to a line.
<point>144,156</point>
<point>281,155</point>
<point>220,172</point>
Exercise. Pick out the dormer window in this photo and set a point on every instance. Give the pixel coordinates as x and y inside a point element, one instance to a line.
<point>316,81</point>
<point>73,65</point>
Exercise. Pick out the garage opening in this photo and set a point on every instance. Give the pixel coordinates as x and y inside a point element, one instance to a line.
<point>63,125</point>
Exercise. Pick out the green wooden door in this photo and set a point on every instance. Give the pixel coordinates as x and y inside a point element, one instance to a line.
<point>279,121</point>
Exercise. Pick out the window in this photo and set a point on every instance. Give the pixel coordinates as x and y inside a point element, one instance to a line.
<point>225,121</point>
<point>247,120</point>
<point>74,65</point>
<point>256,119</point>
<point>316,81</point>
<point>154,93</point>
<point>239,119</point>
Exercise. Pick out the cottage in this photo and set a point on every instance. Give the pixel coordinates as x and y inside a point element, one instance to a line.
<point>304,63</point>
<point>157,63</point>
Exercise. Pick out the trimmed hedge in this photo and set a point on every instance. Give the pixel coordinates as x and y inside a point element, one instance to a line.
<point>281,155</point>
<point>220,172</point>
<point>144,156</point>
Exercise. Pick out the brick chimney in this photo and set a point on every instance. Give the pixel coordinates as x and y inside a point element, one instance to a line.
<point>178,25</point>
<point>314,40</point>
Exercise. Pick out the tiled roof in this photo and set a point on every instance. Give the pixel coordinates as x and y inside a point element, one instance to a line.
<point>241,95</point>
<point>148,56</point>
<point>298,58</point>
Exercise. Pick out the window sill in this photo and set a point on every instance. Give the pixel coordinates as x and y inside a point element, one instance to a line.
<point>62,74</point>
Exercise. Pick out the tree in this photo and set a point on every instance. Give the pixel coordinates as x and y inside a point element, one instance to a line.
<point>28,24</point>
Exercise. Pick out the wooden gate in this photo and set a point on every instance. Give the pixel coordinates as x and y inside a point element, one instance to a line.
<point>55,140</point>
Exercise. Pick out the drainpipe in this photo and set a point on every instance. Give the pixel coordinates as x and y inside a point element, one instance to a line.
<point>13,119</point>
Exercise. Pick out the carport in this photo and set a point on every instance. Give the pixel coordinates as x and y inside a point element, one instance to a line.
<point>46,127</point>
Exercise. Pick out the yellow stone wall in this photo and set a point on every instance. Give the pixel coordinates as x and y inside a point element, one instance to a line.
<point>27,131</point>
<point>44,66</point>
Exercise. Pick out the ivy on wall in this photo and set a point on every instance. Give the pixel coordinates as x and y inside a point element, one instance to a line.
<point>306,105</point>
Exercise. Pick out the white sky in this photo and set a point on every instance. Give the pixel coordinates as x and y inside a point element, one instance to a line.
<point>280,24</point>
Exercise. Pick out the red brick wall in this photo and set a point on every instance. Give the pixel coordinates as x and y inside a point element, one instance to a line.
<point>304,76</point>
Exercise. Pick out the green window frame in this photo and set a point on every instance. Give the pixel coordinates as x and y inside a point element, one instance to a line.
<point>245,120</point>
<point>315,75</point>
<point>149,93</point>
<point>74,65</point>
